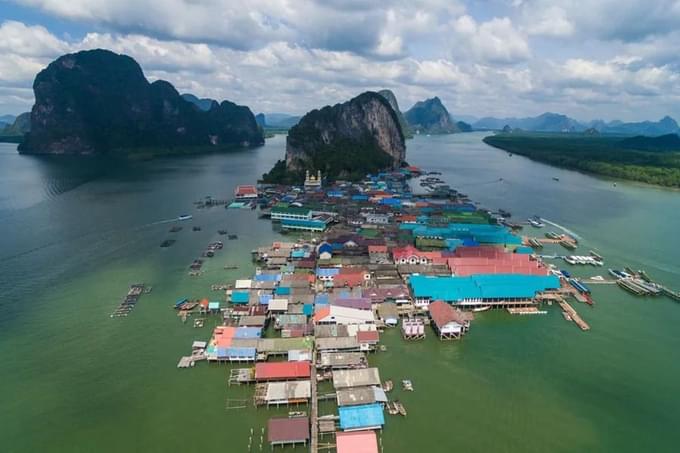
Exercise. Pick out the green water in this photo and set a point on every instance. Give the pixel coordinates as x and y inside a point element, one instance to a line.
<point>73,379</point>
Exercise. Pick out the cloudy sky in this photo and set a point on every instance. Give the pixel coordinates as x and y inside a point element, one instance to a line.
<point>604,59</point>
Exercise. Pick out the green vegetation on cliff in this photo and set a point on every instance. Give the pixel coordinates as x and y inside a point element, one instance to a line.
<point>602,155</point>
<point>344,141</point>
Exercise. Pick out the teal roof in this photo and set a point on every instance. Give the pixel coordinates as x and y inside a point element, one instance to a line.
<point>290,210</point>
<point>483,233</point>
<point>362,416</point>
<point>240,297</point>
<point>484,286</point>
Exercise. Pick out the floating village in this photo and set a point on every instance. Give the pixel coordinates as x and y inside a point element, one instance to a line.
<point>399,250</point>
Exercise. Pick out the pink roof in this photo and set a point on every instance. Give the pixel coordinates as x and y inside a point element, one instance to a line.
<point>409,251</point>
<point>377,249</point>
<point>356,442</point>
<point>268,371</point>
<point>368,336</point>
<point>288,429</point>
<point>443,313</point>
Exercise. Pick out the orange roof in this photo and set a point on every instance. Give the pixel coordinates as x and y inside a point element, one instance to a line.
<point>377,249</point>
<point>204,302</point>
<point>322,313</point>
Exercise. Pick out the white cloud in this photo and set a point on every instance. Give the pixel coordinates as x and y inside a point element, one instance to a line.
<point>29,41</point>
<point>494,41</point>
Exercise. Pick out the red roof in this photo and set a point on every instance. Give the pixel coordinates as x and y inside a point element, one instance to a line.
<point>443,313</point>
<point>271,371</point>
<point>356,442</point>
<point>288,430</point>
<point>322,313</point>
<point>353,279</point>
<point>368,336</point>
<point>377,249</point>
<point>245,190</point>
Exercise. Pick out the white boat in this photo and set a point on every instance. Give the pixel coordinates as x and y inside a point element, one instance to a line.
<point>536,222</point>
<point>185,217</point>
<point>478,309</point>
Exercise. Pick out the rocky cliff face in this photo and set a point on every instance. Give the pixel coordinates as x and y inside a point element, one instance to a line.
<point>97,101</point>
<point>392,99</point>
<point>431,117</point>
<point>347,140</point>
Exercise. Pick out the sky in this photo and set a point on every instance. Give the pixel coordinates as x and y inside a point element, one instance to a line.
<point>601,59</point>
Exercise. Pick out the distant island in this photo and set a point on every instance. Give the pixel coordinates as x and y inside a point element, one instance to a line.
<point>652,160</point>
<point>431,117</point>
<point>99,102</point>
<point>345,141</point>
<point>556,122</point>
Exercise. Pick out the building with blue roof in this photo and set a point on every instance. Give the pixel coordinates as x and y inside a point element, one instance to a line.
<point>282,291</point>
<point>265,298</point>
<point>327,273</point>
<point>321,299</point>
<point>240,297</point>
<point>248,333</point>
<point>304,225</point>
<point>267,277</point>
<point>481,288</point>
<point>364,416</point>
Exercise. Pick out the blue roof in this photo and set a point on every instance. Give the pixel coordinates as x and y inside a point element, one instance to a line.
<point>236,352</point>
<point>265,298</point>
<point>180,301</point>
<point>308,309</point>
<point>321,299</point>
<point>282,291</point>
<point>327,271</point>
<point>213,305</point>
<point>267,277</point>
<point>248,332</point>
<point>313,223</point>
<point>480,233</point>
<point>240,297</point>
<point>390,201</point>
<point>362,416</point>
<point>483,286</point>
<point>325,247</point>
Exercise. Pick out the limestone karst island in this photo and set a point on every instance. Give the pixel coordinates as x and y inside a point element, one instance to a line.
<point>342,227</point>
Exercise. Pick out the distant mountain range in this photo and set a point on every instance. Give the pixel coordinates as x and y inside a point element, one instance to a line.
<point>277,120</point>
<point>555,122</point>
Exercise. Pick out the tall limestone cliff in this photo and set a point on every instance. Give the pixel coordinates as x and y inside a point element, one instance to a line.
<point>96,102</point>
<point>345,141</point>
<point>392,99</point>
<point>431,117</point>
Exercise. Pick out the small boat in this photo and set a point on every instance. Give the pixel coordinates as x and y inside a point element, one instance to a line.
<point>185,217</point>
<point>232,237</point>
<point>198,323</point>
<point>388,385</point>
<point>479,309</point>
<point>167,243</point>
<point>196,228</point>
<point>222,232</point>
<point>536,222</point>
<point>566,316</point>
<point>382,348</point>
<point>400,408</point>
<point>230,267</point>
<point>407,385</point>
<point>555,178</point>
<point>293,414</point>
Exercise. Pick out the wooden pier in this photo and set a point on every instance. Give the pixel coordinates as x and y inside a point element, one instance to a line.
<point>314,413</point>
<point>575,317</point>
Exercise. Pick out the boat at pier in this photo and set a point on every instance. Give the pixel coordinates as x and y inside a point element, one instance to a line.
<point>185,217</point>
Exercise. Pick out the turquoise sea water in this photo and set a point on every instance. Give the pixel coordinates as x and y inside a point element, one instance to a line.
<point>73,379</point>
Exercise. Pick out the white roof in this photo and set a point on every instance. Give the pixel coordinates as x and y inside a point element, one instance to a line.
<point>199,345</point>
<point>281,391</point>
<point>347,315</point>
<point>278,305</point>
<point>243,284</point>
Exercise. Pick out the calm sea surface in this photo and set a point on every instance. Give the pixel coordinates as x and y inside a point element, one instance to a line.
<point>74,380</point>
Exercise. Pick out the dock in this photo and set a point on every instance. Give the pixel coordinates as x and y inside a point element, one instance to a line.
<point>575,317</point>
<point>130,300</point>
<point>314,413</point>
<point>525,311</point>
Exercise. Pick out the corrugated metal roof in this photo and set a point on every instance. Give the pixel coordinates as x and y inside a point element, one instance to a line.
<point>364,416</point>
<point>281,370</point>
<point>496,286</point>
<point>282,430</point>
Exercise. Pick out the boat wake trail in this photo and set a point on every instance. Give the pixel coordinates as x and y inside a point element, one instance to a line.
<point>565,229</point>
